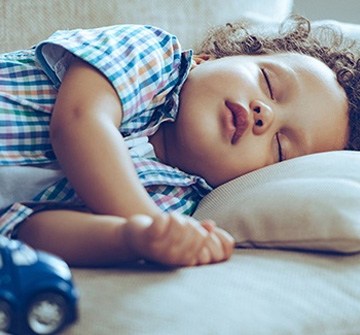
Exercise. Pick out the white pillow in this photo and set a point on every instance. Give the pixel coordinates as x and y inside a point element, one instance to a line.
<point>311,203</point>
<point>350,30</point>
<point>350,33</point>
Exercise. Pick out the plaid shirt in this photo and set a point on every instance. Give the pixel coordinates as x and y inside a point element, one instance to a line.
<point>147,69</point>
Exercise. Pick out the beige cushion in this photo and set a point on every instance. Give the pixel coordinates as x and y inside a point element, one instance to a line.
<point>310,203</point>
<point>256,292</point>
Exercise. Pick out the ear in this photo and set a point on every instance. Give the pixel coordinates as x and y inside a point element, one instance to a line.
<point>201,58</point>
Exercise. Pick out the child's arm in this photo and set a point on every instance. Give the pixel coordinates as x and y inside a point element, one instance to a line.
<point>86,239</point>
<point>95,158</point>
<point>89,147</point>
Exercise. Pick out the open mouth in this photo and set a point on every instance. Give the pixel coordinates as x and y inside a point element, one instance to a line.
<point>240,119</point>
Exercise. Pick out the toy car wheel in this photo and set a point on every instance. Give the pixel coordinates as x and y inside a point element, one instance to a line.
<point>5,316</point>
<point>47,313</point>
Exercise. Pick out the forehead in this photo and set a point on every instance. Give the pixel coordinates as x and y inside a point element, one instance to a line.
<point>304,63</point>
<point>314,72</point>
<point>303,67</point>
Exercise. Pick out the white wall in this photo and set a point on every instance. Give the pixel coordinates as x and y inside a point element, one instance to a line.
<point>345,10</point>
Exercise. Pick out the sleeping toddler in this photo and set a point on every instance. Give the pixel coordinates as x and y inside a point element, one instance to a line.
<point>111,136</point>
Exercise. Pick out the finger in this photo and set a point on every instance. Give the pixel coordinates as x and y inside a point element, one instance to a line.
<point>215,247</point>
<point>209,225</point>
<point>204,256</point>
<point>192,243</point>
<point>176,224</point>
<point>186,238</point>
<point>181,224</point>
<point>227,242</point>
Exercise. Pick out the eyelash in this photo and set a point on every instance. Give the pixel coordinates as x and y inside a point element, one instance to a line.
<point>268,83</point>
<point>281,155</point>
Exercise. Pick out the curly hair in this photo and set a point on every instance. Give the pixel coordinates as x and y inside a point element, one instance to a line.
<point>297,35</point>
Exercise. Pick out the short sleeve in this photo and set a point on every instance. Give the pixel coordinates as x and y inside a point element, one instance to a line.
<point>142,63</point>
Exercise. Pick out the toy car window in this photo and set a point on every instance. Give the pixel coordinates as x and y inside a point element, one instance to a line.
<point>24,256</point>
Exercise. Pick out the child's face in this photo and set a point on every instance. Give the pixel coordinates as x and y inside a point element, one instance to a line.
<point>238,114</point>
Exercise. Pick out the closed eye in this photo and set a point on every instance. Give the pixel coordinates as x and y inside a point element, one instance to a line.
<point>268,83</point>
<point>280,151</point>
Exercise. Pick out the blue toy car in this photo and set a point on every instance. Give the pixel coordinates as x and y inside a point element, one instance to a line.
<point>37,295</point>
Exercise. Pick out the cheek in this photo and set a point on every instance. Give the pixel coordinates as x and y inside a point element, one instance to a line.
<point>211,76</point>
<point>252,154</point>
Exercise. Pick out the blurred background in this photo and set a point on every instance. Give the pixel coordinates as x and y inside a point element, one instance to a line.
<point>346,10</point>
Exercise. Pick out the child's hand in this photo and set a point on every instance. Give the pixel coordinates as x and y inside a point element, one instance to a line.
<point>178,240</point>
<point>216,237</point>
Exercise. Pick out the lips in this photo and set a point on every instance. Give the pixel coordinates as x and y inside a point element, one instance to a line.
<point>240,119</point>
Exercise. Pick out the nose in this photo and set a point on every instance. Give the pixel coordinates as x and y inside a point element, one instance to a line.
<point>263,116</point>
